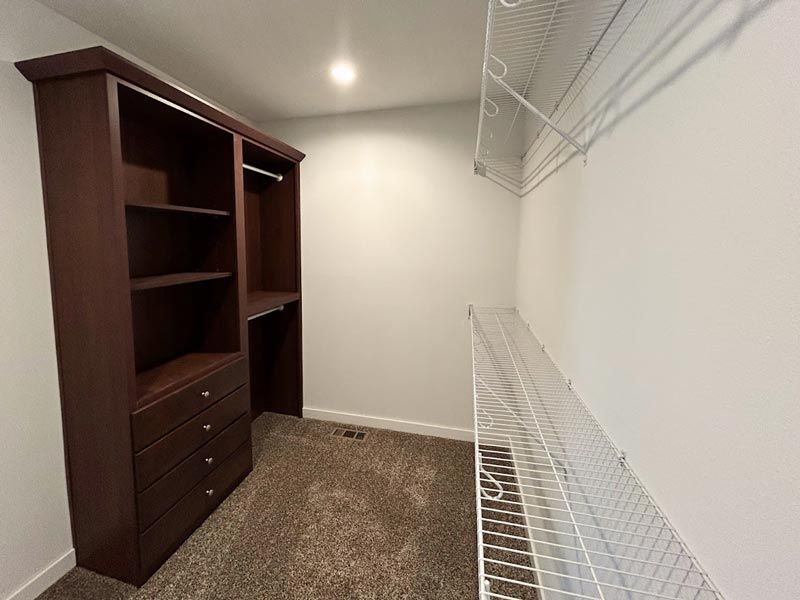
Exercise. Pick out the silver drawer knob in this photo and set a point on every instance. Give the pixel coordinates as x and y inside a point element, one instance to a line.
<point>205,394</point>
<point>210,492</point>
<point>207,427</point>
<point>210,460</point>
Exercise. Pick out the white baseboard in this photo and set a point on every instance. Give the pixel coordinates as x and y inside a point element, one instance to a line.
<point>45,578</point>
<point>453,433</point>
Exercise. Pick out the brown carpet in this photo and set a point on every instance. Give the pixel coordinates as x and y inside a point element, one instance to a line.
<point>321,517</point>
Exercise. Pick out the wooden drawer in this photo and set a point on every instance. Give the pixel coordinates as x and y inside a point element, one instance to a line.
<point>161,417</point>
<point>165,492</point>
<point>157,459</point>
<point>166,534</point>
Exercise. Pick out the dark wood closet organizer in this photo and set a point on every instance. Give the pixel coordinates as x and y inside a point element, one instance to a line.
<point>176,287</point>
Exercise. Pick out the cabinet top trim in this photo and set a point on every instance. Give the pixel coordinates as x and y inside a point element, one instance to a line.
<point>98,58</point>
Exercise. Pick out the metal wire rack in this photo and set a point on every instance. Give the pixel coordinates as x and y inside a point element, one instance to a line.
<point>538,54</point>
<point>560,513</point>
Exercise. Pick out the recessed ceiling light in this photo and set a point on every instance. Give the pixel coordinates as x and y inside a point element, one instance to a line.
<point>343,73</point>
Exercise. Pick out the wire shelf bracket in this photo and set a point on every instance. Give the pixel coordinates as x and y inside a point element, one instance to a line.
<point>560,513</point>
<point>499,80</point>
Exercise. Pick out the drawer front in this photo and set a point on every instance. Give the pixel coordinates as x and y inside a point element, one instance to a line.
<point>157,459</point>
<point>161,417</point>
<point>165,492</point>
<point>167,533</point>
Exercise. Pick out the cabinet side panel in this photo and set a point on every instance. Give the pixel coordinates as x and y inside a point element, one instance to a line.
<point>79,145</point>
<point>241,240</point>
<point>299,279</point>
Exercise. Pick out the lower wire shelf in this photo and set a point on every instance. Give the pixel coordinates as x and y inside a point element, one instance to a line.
<point>560,513</point>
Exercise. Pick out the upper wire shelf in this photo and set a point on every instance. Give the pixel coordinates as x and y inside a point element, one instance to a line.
<point>537,54</point>
<point>560,513</point>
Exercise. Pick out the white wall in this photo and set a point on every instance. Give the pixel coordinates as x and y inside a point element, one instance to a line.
<point>34,519</point>
<point>398,237</point>
<point>34,514</point>
<point>664,276</point>
<point>35,538</point>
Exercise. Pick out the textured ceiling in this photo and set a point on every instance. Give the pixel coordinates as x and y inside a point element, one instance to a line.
<point>269,59</point>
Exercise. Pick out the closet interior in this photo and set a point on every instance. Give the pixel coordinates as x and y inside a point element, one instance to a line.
<point>428,445</point>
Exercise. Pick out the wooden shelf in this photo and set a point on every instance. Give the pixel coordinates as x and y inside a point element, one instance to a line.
<point>159,281</point>
<point>174,374</point>
<point>260,300</point>
<point>176,208</point>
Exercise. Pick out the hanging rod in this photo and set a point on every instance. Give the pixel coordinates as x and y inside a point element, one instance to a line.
<point>266,312</point>
<point>275,176</point>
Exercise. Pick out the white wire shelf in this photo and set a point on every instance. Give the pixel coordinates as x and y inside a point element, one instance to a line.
<point>560,513</point>
<point>538,55</point>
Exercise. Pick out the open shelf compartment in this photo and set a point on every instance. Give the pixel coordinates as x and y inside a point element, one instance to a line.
<point>271,225</point>
<point>182,331</point>
<point>178,174</point>
<point>171,157</point>
<point>275,371</point>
